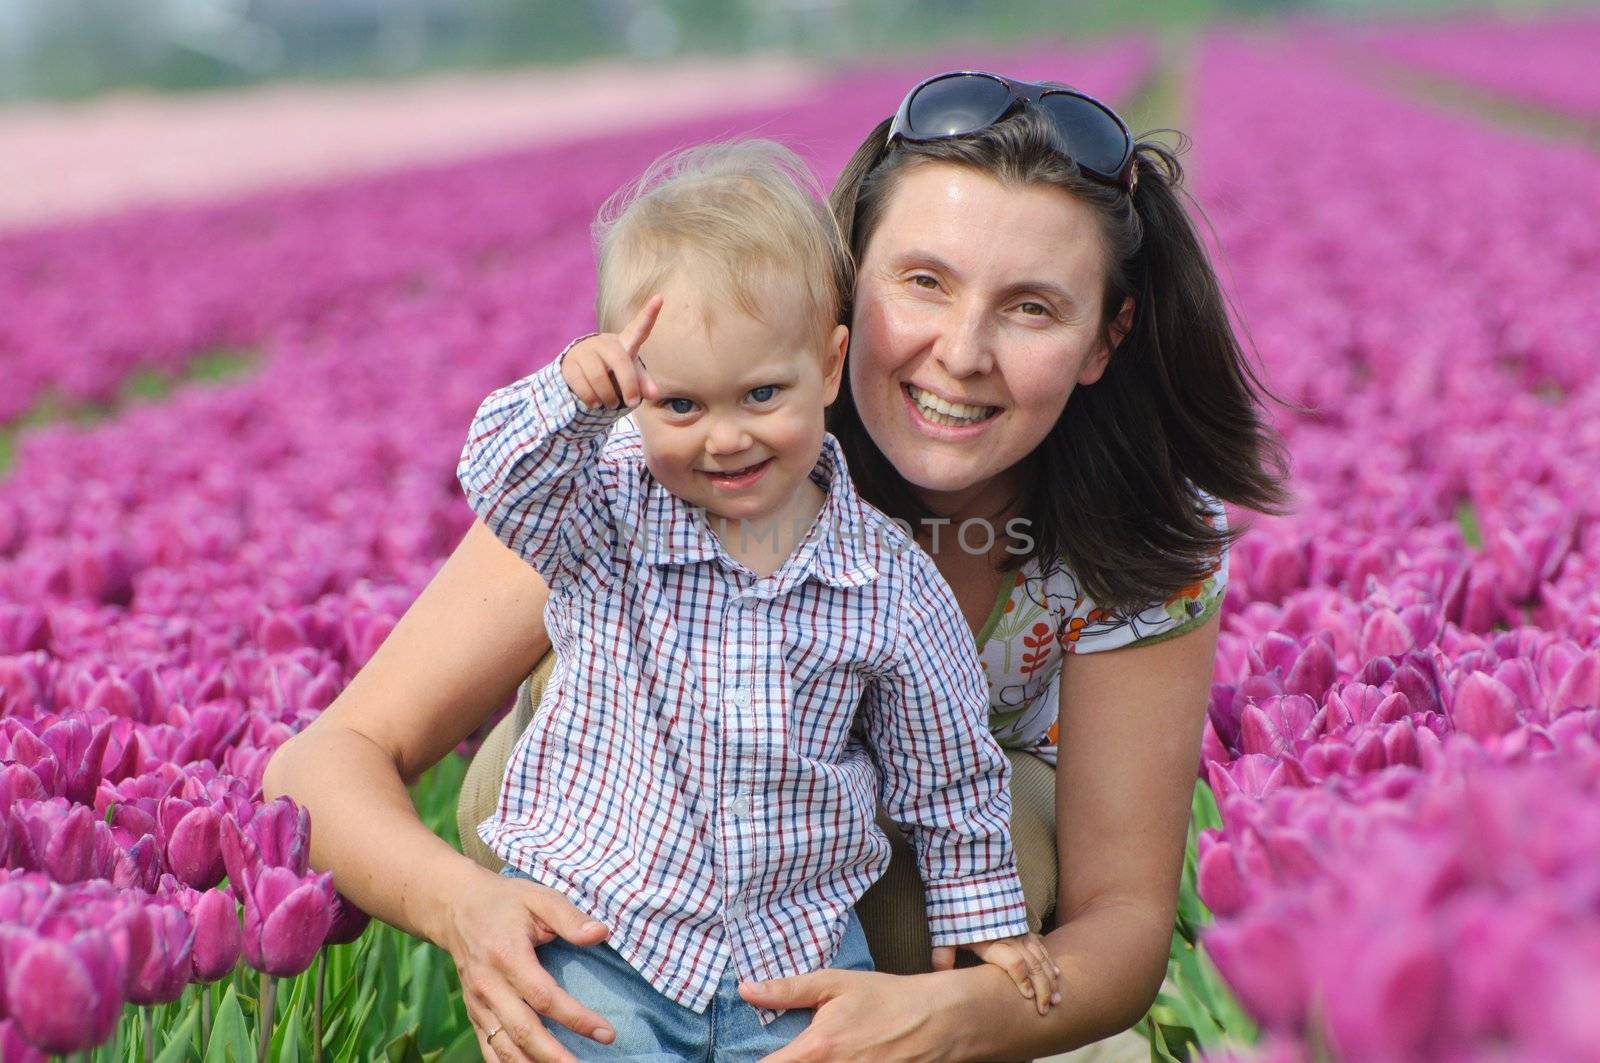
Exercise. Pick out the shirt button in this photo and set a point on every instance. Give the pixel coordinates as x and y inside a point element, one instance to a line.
<point>739,806</point>
<point>740,697</point>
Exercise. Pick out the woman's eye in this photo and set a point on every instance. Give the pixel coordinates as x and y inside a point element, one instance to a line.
<point>1034,309</point>
<point>764,393</point>
<point>680,406</point>
<point>919,279</point>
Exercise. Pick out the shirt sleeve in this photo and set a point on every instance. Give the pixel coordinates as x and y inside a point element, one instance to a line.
<point>944,777</point>
<point>1091,629</point>
<point>531,468</point>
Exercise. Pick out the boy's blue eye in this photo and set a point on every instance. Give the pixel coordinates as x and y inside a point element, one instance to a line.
<point>680,406</point>
<point>764,393</point>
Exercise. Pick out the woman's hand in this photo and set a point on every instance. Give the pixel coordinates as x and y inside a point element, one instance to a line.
<point>491,932</point>
<point>886,1018</point>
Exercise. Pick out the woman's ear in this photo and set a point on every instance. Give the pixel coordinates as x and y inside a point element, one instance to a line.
<point>833,367</point>
<point>1095,366</point>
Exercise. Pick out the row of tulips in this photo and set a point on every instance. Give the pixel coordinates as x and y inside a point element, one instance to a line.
<point>1403,736</point>
<point>1541,61</point>
<point>185,586</point>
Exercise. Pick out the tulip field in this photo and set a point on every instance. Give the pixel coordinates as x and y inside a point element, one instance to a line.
<point>1396,839</point>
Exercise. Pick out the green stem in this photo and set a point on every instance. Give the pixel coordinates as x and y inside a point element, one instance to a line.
<point>322,977</point>
<point>149,1036</point>
<point>267,1017</point>
<point>205,1018</point>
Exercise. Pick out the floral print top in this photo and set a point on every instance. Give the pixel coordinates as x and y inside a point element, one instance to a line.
<point>1043,615</point>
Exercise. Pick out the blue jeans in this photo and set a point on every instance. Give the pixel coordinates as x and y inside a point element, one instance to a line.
<point>652,1029</point>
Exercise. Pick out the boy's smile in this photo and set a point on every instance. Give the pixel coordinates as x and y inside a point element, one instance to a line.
<point>737,424</point>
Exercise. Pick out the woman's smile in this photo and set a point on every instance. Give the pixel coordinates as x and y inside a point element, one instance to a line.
<point>947,420</point>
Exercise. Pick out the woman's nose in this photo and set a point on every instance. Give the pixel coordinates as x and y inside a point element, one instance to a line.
<point>967,346</point>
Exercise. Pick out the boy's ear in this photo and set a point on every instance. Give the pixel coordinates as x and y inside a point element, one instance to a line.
<point>833,368</point>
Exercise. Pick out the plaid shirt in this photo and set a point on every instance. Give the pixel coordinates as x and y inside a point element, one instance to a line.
<point>698,777</point>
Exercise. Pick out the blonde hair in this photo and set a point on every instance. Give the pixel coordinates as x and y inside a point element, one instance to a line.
<point>743,219</point>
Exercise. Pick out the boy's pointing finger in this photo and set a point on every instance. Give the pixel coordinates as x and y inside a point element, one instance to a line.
<point>638,329</point>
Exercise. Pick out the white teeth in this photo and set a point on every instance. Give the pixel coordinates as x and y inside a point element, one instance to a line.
<point>947,413</point>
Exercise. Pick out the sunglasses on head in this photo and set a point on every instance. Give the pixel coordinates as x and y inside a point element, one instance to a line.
<point>964,101</point>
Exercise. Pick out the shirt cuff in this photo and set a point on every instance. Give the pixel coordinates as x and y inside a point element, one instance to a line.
<point>981,908</point>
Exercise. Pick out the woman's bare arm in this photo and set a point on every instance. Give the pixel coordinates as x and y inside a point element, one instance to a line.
<point>460,650</point>
<point>458,653</point>
<point>1132,721</point>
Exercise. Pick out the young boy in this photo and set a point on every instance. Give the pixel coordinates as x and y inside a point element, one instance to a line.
<point>749,657</point>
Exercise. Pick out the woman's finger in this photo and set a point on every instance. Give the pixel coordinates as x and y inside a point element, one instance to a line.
<point>638,330</point>
<point>797,991</point>
<point>944,958</point>
<point>548,1000</point>
<point>493,1052</point>
<point>560,916</point>
<point>522,1035</point>
<point>496,1049</point>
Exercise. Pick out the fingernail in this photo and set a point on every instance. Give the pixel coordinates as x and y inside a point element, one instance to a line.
<point>1055,998</point>
<point>591,926</point>
<point>1027,990</point>
<point>604,1033</point>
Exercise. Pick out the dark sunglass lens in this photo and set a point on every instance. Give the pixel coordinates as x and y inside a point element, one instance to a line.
<point>956,105</point>
<point>1092,137</point>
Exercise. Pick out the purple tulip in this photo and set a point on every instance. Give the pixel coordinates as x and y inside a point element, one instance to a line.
<point>1219,883</point>
<point>66,842</point>
<point>1263,963</point>
<point>1484,707</point>
<point>78,749</point>
<point>218,939</point>
<point>286,919</point>
<point>63,990</point>
<point>193,842</point>
<point>14,1048</point>
<point>349,922</point>
<point>154,943</point>
<point>280,833</point>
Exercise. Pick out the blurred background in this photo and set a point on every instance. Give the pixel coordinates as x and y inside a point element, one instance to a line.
<point>78,48</point>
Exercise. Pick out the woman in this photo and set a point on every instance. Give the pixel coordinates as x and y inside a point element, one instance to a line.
<point>999,277</point>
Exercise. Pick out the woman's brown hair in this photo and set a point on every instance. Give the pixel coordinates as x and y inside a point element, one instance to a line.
<point>1176,412</point>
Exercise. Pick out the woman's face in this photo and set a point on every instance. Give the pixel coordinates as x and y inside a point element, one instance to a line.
<point>976,313</point>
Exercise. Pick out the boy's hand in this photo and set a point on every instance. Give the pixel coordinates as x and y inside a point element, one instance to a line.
<point>605,370</point>
<point>1023,957</point>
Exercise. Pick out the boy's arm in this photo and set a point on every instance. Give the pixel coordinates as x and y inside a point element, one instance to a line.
<point>944,777</point>
<point>530,467</point>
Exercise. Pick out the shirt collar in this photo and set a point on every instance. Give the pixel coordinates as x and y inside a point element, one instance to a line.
<point>842,549</point>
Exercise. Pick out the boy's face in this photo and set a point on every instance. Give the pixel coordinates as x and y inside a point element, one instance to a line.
<point>738,424</point>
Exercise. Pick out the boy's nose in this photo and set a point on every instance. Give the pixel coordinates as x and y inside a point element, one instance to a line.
<point>726,437</point>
